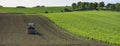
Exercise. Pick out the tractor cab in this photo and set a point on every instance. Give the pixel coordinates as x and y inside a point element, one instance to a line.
<point>31,28</point>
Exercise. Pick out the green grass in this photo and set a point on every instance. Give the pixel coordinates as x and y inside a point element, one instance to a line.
<point>100,25</point>
<point>32,10</point>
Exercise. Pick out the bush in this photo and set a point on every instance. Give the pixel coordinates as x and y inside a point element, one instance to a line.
<point>43,6</point>
<point>20,7</point>
<point>37,6</point>
<point>1,6</point>
<point>46,11</point>
<point>62,10</point>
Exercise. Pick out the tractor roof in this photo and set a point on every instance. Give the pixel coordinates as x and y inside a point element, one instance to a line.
<point>30,23</point>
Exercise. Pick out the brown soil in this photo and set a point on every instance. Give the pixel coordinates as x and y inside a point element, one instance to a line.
<point>13,32</point>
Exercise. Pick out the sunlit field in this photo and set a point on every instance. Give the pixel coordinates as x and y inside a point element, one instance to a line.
<point>99,25</point>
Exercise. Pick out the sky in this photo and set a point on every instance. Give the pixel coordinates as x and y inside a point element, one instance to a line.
<point>31,3</point>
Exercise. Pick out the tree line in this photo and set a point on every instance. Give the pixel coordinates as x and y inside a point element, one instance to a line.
<point>95,6</point>
<point>25,7</point>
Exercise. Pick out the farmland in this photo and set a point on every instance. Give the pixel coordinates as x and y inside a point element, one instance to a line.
<point>32,10</point>
<point>60,23</point>
<point>87,28</point>
<point>99,25</point>
<point>13,32</point>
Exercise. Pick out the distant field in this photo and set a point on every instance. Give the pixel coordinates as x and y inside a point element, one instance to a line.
<point>32,10</point>
<point>100,25</point>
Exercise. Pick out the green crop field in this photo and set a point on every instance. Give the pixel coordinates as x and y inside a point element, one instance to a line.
<point>33,10</point>
<point>100,25</point>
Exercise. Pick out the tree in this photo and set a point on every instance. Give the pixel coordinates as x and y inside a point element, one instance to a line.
<point>111,6</point>
<point>95,5</point>
<point>83,5</point>
<point>91,5</point>
<point>42,6</point>
<point>86,5</point>
<point>117,6</point>
<point>79,5</point>
<point>101,5</point>
<point>74,5</point>
<point>108,6</point>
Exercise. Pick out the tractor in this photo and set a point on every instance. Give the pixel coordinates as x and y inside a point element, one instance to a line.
<point>31,28</point>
